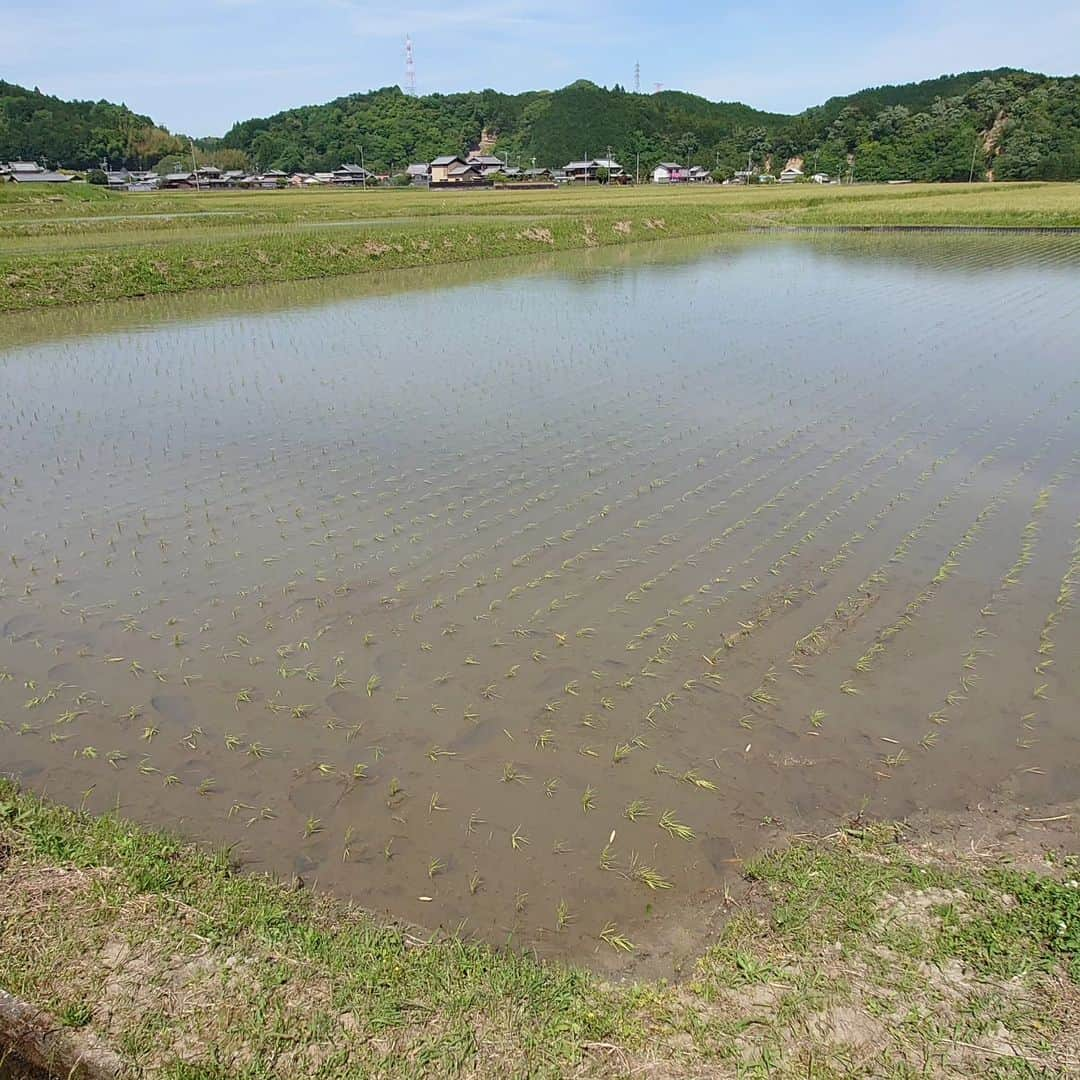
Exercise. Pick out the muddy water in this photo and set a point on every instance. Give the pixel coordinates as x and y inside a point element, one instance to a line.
<point>532,598</point>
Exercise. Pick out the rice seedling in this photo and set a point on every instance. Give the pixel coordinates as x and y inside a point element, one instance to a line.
<point>610,935</point>
<point>693,778</point>
<point>435,867</point>
<point>518,839</point>
<point>511,774</point>
<point>588,799</point>
<point>673,827</point>
<point>373,684</point>
<point>646,875</point>
<point>563,916</point>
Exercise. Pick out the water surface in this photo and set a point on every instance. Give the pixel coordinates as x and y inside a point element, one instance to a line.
<point>533,596</point>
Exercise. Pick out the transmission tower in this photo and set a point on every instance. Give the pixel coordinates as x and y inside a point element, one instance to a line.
<point>410,68</point>
<point>637,77</point>
<point>657,87</point>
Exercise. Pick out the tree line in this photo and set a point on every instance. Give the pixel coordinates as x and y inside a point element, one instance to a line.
<point>1005,124</point>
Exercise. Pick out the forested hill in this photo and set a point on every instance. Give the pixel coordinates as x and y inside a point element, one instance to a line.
<point>76,134</point>
<point>1005,123</point>
<point>1009,124</point>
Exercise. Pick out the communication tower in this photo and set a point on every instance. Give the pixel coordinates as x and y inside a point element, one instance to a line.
<point>410,68</point>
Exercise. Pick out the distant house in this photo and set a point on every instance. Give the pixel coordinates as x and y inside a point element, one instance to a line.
<point>9,167</point>
<point>791,175</point>
<point>698,174</point>
<point>419,173</point>
<point>129,180</point>
<point>587,170</point>
<point>439,169</point>
<point>668,172</point>
<point>351,175</point>
<point>451,169</point>
<point>30,172</point>
<point>143,181</point>
<point>464,173</point>
<point>744,176</point>
<point>820,178</point>
<point>269,180</point>
<point>536,174</point>
<point>486,162</point>
<point>178,181</point>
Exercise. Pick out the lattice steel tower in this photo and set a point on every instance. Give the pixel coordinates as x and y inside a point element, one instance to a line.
<point>410,68</point>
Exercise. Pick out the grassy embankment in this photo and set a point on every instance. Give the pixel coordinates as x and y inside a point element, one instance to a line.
<point>84,244</point>
<point>862,954</point>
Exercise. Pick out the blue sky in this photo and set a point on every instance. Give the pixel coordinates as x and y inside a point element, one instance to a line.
<point>198,65</point>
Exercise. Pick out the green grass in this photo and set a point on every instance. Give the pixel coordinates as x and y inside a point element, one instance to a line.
<point>82,244</point>
<point>861,955</point>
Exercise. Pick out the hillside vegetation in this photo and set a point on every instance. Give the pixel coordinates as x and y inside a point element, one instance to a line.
<point>1002,124</point>
<point>1009,124</point>
<point>77,134</point>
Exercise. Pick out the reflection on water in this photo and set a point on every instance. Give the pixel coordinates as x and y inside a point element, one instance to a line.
<point>536,594</point>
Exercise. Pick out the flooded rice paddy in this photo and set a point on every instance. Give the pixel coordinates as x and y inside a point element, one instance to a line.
<point>532,603</point>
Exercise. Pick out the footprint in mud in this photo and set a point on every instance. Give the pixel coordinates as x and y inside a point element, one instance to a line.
<point>70,673</point>
<point>720,852</point>
<point>177,708</point>
<point>20,627</point>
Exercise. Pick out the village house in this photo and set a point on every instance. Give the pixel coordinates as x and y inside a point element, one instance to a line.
<point>451,169</point>
<point>30,172</point>
<point>439,169</point>
<point>587,170</point>
<point>131,180</point>
<point>419,173</point>
<point>488,164</point>
<point>668,172</point>
<point>791,175</point>
<point>178,181</point>
<point>698,174</point>
<point>352,175</point>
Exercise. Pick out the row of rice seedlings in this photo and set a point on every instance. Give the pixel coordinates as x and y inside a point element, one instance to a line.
<point>958,694</point>
<point>951,561</point>
<point>816,641</point>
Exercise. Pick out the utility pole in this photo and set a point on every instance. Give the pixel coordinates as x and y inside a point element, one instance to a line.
<point>637,168</point>
<point>974,151</point>
<point>194,166</point>
<point>363,177</point>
